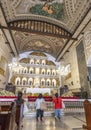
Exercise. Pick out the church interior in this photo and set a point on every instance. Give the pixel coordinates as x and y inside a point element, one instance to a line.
<point>45,47</point>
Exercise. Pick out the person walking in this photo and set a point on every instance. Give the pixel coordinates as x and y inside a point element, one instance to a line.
<point>57,105</point>
<point>18,106</point>
<point>39,112</point>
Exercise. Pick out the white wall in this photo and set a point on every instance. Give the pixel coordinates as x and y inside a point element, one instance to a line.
<point>5,52</point>
<point>71,58</point>
<point>87,46</point>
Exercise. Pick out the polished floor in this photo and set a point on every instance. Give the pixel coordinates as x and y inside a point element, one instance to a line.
<point>67,122</point>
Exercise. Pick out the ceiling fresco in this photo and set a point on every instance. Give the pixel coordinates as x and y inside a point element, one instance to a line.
<point>28,42</point>
<point>54,10</point>
<point>42,25</point>
<point>48,8</point>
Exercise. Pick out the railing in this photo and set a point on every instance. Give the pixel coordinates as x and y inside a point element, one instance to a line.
<point>72,105</point>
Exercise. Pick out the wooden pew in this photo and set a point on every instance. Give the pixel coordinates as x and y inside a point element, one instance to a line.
<point>19,115</point>
<point>5,115</point>
<point>87,108</point>
<point>5,107</point>
<point>0,126</point>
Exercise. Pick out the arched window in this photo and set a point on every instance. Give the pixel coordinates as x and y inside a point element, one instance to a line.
<point>48,73</point>
<point>31,71</point>
<point>53,72</point>
<point>48,83</point>
<point>17,82</point>
<point>42,83</point>
<point>43,62</point>
<point>32,61</point>
<point>25,71</point>
<point>43,72</point>
<point>24,82</point>
<point>37,62</point>
<point>54,83</point>
<point>30,82</point>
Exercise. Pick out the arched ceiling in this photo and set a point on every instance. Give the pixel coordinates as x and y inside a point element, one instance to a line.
<point>42,25</point>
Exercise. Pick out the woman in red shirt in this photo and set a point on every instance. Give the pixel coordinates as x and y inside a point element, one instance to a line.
<point>57,105</point>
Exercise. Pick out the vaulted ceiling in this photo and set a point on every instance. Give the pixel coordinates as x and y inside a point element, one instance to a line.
<point>49,26</point>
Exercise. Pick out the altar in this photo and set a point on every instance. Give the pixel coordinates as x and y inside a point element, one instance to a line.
<point>38,90</point>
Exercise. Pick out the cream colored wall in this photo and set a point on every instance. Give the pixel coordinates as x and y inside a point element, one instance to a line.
<point>71,58</point>
<point>87,46</point>
<point>5,52</point>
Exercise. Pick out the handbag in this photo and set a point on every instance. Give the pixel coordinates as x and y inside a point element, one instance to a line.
<point>43,106</point>
<point>63,105</point>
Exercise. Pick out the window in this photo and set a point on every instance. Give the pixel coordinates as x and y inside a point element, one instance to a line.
<point>43,72</point>
<point>25,71</point>
<point>31,72</point>
<point>53,84</point>
<point>17,82</point>
<point>48,73</point>
<point>30,82</point>
<point>24,82</point>
<point>37,62</point>
<point>53,73</point>
<point>42,83</point>
<point>48,83</point>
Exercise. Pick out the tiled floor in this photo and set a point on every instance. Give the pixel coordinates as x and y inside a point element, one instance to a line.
<point>67,122</point>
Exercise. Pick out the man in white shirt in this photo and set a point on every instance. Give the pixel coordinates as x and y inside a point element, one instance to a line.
<point>39,112</point>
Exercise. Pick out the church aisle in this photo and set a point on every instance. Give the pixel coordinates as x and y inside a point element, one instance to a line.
<point>69,122</point>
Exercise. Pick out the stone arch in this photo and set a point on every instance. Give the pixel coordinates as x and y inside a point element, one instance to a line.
<point>54,83</point>
<point>17,81</point>
<point>24,81</point>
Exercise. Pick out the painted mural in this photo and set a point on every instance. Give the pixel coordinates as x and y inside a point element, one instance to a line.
<point>49,8</point>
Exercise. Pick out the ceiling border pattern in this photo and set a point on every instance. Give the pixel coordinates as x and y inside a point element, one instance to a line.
<point>41,27</point>
<point>81,9</point>
<point>38,18</point>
